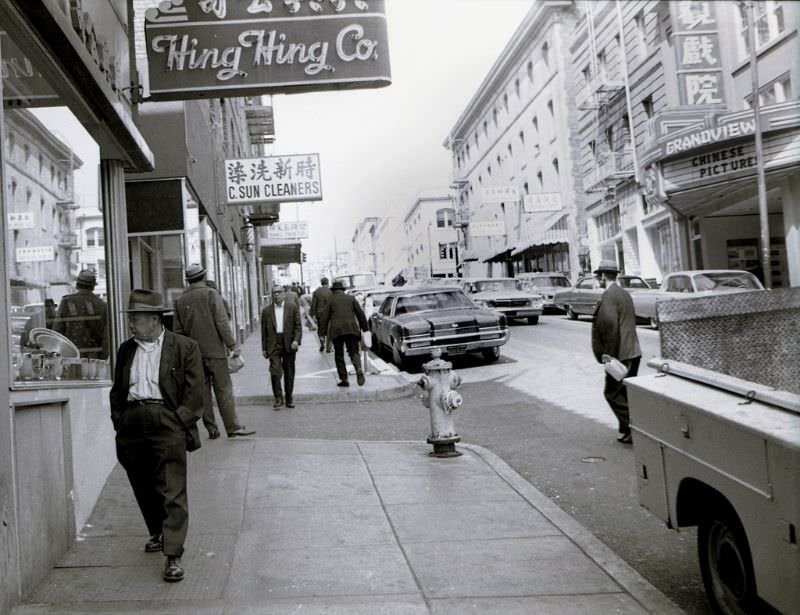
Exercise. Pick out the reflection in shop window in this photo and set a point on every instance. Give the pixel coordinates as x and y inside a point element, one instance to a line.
<point>58,316</point>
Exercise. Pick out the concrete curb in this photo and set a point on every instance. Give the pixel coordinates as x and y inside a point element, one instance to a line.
<point>631,581</point>
<point>398,388</point>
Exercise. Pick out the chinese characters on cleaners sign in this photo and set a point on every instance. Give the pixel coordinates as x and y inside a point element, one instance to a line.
<point>213,48</point>
<point>697,53</point>
<point>274,179</point>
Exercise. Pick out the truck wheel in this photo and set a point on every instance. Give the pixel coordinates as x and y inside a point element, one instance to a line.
<point>532,320</point>
<point>725,562</point>
<point>490,355</point>
<point>571,314</point>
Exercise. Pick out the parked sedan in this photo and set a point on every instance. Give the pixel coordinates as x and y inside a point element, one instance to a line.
<point>693,283</point>
<point>412,323</point>
<point>548,283</point>
<point>582,299</point>
<point>505,296</point>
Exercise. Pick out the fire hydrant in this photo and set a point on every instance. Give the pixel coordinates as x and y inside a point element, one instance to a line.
<point>440,397</point>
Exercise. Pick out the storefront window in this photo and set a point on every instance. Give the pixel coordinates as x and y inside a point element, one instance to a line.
<point>54,235</point>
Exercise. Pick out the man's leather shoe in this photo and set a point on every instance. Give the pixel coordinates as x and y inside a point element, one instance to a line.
<point>290,403</point>
<point>343,383</point>
<point>277,403</point>
<point>322,347</point>
<point>173,570</point>
<point>241,431</point>
<point>625,438</point>
<point>155,544</point>
<point>213,432</point>
<point>360,379</point>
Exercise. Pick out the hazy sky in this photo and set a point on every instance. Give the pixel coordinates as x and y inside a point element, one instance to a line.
<point>378,148</point>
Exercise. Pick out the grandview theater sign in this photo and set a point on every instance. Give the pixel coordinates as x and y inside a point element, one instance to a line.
<point>215,48</point>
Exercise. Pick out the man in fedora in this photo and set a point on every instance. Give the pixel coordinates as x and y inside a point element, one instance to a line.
<point>156,401</point>
<point>200,314</point>
<point>319,300</point>
<point>281,334</point>
<point>343,320</point>
<point>83,318</point>
<point>614,336</point>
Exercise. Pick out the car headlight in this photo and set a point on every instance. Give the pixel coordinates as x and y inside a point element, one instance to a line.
<point>481,304</point>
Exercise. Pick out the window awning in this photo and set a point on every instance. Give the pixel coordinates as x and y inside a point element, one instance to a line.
<point>549,228</point>
<point>501,256</point>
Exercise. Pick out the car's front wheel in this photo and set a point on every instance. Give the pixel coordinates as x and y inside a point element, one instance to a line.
<point>532,320</point>
<point>571,314</point>
<point>398,358</point>
<point>490,355</point>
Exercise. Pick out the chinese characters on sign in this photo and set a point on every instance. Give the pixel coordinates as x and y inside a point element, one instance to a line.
<point>500,194</point>
<point>198,48</point>
<point>546,201</point>
<point>35,254</point>
<point>286,230</point>
<point>490,228</point>
<point>697,53</point>
<point>20,220</point>
<point>274,179</point>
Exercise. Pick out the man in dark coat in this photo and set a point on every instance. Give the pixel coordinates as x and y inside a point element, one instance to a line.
<point>319,300</point>
<point>156,401</point>
<point>83,318</point>
<point>614,336</point>
<point>281,334</point>
<point>343,321</point>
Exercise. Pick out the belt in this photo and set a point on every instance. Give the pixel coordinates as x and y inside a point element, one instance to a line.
<point>146,402</point>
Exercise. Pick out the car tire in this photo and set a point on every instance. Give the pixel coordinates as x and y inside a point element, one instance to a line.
<point>490,355</point>
<point>726,565</point>
<point>398,358</point>
<point>571,314</point>
<point>532,320</point>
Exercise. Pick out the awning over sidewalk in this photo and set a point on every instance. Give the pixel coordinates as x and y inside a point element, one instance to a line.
<point>549,228</point>
<point>501,256</point>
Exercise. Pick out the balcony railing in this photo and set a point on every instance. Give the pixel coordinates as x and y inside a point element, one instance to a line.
<point>608,170</point>
<point>68,239</point>
<point>598,92</point>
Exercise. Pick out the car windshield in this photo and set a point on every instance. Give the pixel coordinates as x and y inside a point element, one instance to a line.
<point>483,286</point>
<point>725,279</point>
<point>550,280</point>
<point>633,283</point>
<point>443,300</point>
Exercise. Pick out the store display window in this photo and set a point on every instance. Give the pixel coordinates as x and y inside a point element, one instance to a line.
<point>55,248</point>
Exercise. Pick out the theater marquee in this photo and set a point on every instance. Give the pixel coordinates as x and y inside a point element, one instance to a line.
<point>216,48</point>
<point>273,179</point>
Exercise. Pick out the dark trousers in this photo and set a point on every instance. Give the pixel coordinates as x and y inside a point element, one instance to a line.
<point>281,364</point>
<point>616,394</point>
<point>216,375</point>
<point>352,344</point>
<point>151,446</point>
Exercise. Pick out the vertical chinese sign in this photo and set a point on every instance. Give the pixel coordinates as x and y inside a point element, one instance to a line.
<point>273,179</point>
<point>697,48</point>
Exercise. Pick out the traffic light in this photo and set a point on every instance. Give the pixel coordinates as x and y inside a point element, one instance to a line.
<point>303,254</point>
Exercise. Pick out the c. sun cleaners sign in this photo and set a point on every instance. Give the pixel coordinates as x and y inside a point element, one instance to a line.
<point>273,179</point>
<point>216,48</point>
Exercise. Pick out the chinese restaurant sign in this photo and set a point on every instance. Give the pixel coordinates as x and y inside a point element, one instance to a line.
<point>273,179</point>
<point>488,228</point>
<point>215,48</point>
<point>697,53</point>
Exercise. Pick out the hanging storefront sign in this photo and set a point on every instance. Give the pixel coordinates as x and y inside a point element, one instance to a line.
<point>489,228</point>
<point>203,48</point>
<point>35,254</point>
<point>545,201</point>
<point>273,179</point>
<point>18,220</point>
<point>286,230</point>
<point>499,194</point>
<point>697,53</point>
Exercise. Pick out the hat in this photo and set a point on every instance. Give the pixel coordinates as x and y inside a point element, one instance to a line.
<point>323,280</point>
<point>142,300</point>
<point>86,279</point>
<point>195,273</point>
<point>607,265</point>
<point>337,285</point>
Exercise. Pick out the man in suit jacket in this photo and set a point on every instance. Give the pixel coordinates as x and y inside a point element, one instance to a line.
<point>156,401</point>
<point>319,300</point>
<point>281,334</point>
<point>614,335</point>
<point>343,320</point>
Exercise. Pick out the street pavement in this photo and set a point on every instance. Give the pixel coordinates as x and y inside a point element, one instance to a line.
<point>283,525</point>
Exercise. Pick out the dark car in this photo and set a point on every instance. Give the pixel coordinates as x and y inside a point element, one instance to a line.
<point>412,323</point>
<point>582,299</point>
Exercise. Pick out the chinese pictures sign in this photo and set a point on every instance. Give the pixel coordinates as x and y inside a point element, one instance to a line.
<point>697,52</point>
<point>273,179</point>
<point>213,48</point>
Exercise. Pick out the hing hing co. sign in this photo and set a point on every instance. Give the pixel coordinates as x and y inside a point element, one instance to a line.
<point>213,48</point>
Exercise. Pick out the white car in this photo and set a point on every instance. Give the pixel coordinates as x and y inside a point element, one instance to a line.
<point>504,295</point>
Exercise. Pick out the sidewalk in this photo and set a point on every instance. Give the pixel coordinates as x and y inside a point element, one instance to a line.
<point>350,528</point>
<point>315,377</point>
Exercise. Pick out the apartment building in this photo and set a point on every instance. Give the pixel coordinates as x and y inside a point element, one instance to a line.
<point>431,236</point>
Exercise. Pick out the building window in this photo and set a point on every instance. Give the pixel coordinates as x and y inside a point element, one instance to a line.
<point>769,24</point>
<point>505,102</point>
<point>587,74</point>
<point>485,128</point>
<point>649,112</point>
<point>602,72</point>
<point>94,237</point>
<point>494,116</point>
<point>510,149</point>
<point>530,70</point>
<point>522,137</point>
<point>777,91</point>
<point>608,224</point>
<point>444,218</point>
<point>477,142</point>
<point>540,177</point>
<point>525,188</point>
<point>546,55</point>
<point>489,170</point>
<point>447,251</point>
<point>640,36</point>
<point>499,161</point>
<point>550,108</point>
<point>555,166</point>
<point>535,123</point>
<point>516,87</point>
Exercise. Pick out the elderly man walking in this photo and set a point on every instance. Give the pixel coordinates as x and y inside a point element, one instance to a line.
<point>319,299</point>
<point>614,336</point>
<point>281,334</point>
<point>156,401</point>
<point>344,320</point>
<point>200,314</point>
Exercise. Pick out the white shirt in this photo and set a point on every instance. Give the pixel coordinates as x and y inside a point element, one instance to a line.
<point>279,318</point>
<point>144,369</point>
